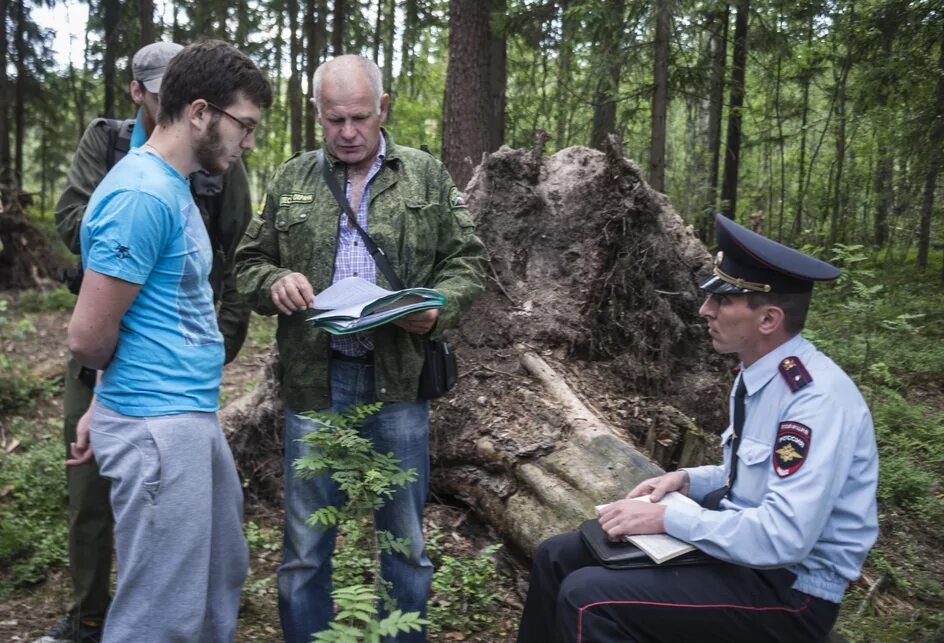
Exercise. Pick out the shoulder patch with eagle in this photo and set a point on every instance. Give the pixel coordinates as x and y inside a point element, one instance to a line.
<point>791,447</point>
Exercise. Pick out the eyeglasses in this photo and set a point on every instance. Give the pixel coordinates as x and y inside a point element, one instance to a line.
<point>247,129</point>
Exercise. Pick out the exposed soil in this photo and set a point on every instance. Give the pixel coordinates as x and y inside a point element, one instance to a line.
<point>28,258</point>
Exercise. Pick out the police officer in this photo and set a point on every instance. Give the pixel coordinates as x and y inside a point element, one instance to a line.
<point>787,520</point>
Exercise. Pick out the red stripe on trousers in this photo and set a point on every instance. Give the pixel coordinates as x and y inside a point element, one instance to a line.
<point>751,608</point>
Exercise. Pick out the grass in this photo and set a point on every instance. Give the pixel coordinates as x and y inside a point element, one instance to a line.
<point>33,532</point>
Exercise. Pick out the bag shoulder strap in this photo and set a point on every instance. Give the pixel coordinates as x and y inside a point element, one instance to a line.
<point>119,140</point>
<point>375,252</point>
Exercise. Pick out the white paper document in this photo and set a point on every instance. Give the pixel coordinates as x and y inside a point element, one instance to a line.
<point>660,547</point>
<point>353,304</point>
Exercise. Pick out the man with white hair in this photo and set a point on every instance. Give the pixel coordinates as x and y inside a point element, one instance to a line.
<point>300,244</point>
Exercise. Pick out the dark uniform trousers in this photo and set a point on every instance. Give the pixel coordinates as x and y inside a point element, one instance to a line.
<point>573,599</point>
<point>90,519</point>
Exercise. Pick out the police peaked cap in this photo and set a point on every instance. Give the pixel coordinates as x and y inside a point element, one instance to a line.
<point>747,262</point>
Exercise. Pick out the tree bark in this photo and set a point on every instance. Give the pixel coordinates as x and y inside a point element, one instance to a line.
<point>407,43</point>
<point>841,77</point>
<point>718,44</point>
<point>378,31</point>
<point>389,35</point>
<point>935,143</point>
<point>565,51</point>
<point>146,21</point>
<point>111,16</point>
<point>732,155</point>
<point>6,158</point>
<point>660,94</point>
<point>467,107</point>
<point>497,77</point>
<point>295,108</point>
<point>806,77</point>
<point>337,29</point>
<point>884,166</point>
<point>19,40</point>
<point>244,25</point>
<point>609,57</point>
<point>315,36</point>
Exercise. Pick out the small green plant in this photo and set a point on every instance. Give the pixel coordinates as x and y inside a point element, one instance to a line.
<point>471,608</point>
<point>368,479</point>
<point>42,301</point>
<point>33,527</point>
<point>18,385</point>
<point>262,540</point>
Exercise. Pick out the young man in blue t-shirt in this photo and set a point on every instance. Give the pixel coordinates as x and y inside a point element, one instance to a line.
<point>145,320</point>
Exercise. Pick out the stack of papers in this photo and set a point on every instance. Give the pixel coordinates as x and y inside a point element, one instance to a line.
<point>353,304</point>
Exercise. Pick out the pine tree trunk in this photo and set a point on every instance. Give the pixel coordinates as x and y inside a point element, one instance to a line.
<point>660,94</point>
<point>389,35</point>
<point>718,44</point>
<point>111,10</point>
<point>497,77</point>
<point>146,21</point>
<point>405,82</point>
<point>935,143</point>
<point>337,30</point>
<point>610,60</point>
<point>564,58</point>
<point>295,80</point>
<point>20,101</point>
<point>837,201</point>
<point>884,166</point>
<point>314,39</point>
<point>467,107</point>
<point>733,148</point>
<point>805,80</point>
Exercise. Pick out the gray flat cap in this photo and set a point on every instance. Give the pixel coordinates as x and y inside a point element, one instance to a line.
<point>149,63</point>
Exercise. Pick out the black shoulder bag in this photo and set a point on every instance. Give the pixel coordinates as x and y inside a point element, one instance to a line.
<point>440,371</point>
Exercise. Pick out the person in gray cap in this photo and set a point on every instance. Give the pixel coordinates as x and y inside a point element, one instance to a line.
<point>786,521</point>
<point>226,207</point>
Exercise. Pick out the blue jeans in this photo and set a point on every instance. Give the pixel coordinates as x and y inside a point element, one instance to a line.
<point>305,605</point>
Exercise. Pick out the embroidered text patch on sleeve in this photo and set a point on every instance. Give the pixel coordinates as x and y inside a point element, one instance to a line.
<point>791,447</point>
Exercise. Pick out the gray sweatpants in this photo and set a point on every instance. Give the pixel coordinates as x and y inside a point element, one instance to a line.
<point>178,506</point>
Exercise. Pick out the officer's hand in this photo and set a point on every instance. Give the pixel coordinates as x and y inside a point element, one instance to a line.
<point>657,487</point>
<point>81,449</point>
<point>630,517</point>
<point>420,322</point>
<point>292,293</point>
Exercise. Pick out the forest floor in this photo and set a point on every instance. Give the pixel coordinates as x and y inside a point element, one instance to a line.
<point>479,597</point>
<point>27,610</point>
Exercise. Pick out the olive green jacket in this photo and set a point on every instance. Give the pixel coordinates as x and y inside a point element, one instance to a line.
<point>225,225</point>
<point>416,216</point>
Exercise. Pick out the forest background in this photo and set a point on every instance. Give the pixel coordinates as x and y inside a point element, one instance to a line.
<point>820,124</point>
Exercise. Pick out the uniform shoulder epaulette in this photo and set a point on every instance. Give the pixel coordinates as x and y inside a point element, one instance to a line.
<point>794,373</point>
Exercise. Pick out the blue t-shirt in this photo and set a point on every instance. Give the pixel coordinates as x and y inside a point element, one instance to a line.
<point>142,226</point>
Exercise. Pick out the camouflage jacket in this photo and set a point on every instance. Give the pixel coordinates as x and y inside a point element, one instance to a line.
<point>227,221</point>
<point>418,219</point>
